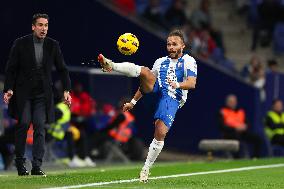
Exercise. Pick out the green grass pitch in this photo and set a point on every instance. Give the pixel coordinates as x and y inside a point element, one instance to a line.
<point>261,178</point>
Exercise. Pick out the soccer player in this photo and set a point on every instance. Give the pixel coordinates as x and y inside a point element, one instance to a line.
<point>171,77</point>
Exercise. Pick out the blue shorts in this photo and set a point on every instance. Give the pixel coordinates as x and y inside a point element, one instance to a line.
<point>166,110</point>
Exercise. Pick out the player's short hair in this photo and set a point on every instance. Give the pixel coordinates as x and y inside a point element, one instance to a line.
<point>39,15</point>
<point>178,33</point>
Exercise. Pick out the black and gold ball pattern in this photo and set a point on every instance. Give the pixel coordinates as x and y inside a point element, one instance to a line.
<point>127,44</point>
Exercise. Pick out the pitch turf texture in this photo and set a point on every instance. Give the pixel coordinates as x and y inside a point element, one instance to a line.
<point>263,173</point>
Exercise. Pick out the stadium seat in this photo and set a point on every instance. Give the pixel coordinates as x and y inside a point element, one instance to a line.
<point>218,57</point>
<point>213,145</point>
<point>142,4</point>
<point>272,149</point>
<point>253,16</point>
<point>277,150</point>
<point>278,38</point>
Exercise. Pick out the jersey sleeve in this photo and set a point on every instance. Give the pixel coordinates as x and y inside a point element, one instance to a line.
<point>155,68</point>
<point>190,67</point>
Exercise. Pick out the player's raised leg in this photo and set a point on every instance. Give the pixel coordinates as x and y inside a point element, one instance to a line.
<point>105,63</point>
<point>147,78</point>
<point>155,148</point>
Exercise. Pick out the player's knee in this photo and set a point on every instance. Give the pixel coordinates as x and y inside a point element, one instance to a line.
<point>145,71</point>
<point>160,131</point>
<point>147,80</point>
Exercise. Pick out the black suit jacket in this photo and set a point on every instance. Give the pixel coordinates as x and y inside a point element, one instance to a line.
<point>21,67</point>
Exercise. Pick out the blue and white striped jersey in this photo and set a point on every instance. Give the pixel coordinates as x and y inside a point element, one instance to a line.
<point>165,69</point>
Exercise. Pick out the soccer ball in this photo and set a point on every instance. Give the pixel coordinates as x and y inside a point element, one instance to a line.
<point>127,44</point>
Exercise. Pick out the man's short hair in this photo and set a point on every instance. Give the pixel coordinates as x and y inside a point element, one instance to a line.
<point>37,16</point>
<point>274,101</point>
<point>272,62</point>
<point>178,33</point>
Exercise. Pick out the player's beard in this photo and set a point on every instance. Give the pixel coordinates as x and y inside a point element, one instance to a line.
<point>176,54</point>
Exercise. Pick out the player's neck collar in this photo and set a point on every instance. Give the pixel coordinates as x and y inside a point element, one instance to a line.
<point>181,56</point>
<point>179,59</point>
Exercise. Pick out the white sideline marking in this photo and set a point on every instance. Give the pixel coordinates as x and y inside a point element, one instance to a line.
<point>173,176</point>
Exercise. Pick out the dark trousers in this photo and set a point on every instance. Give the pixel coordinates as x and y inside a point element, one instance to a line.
<point>82,144</point>
<point>35,113</point>
<point>266,40</point>
<point>247,137</point>
<point>278,139</point>
<point>70,144</point>
<point>6,140</point>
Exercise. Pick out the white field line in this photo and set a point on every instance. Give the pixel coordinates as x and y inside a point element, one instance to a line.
<point>172,176</point>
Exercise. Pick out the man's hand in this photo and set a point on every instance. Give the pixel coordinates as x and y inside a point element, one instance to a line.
<point>242,128</point>
<point>67,98</point>
<point>189,83</point>
<point>127,106</point>
<point>173,85</point>
<point>7,96</point>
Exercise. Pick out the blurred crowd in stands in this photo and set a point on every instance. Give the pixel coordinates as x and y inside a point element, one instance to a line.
<point>264,17</point>
<point>204,41</point>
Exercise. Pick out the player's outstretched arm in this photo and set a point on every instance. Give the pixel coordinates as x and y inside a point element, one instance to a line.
<point>128,106</point>
<point>189,83</point>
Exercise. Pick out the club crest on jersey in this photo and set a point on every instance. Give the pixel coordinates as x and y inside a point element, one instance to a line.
<point>179,64</point>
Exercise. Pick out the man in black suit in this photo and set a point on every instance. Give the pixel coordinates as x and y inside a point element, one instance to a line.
<point>28,89</point>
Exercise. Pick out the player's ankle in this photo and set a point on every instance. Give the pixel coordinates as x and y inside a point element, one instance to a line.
<point>146,167</point>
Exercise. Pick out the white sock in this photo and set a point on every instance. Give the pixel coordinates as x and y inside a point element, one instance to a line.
<point>127,68</point>
<point>154,150</point>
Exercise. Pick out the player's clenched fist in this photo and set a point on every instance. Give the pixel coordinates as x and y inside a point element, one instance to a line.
<point>127,106</point>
